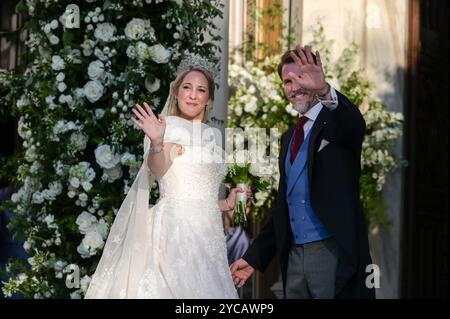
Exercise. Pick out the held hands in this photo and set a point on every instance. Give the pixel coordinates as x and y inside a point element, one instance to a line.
<point>241,271</point>
<point>152,126</point>
<point>311,77</point>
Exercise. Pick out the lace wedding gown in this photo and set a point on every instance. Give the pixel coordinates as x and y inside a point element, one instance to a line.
<point>181,250</point>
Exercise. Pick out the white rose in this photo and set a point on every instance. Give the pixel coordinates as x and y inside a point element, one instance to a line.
<point>62,86</point>
<point>47,28</point>
<point>63,98</point>
<point>99,113</point>
<point>55,187</point>
<point>54,40</point>
<point>38,198</point>
<point>75,295</point>
<point>131,52</point>
<point>86,186</point>
<point>79,93</point>
<point>102,228</point>
<point>60,77</point>
<point>142,50</point>
<point>26,245</point>
<point>90,243</point>
<point>93,90</point>
<point>75,182</point>
<point>159,54</point>
<point>83,197</point>
<point>57,63</point>
<point>85,222</point>
<point>105,31</point>
<point>111,174</point>
<point>152,87</point>
<point>105,157</point>
<point>54,24</point>
<point>71,194</point>
<point>135,29</point>
<point>96,70</point>
<point>84,283</point>
<point>127,157</point>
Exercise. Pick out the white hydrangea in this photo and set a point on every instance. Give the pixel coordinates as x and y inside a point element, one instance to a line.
<point>142,50</point>
<point>23,101</point>
<point>251,104</point>
<point>81,175</point>
<point>58,63</point>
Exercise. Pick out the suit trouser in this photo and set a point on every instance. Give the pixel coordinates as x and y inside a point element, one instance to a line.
<point>311,271</point>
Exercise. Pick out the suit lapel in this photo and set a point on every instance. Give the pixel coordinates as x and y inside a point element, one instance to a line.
<point>320,122</point>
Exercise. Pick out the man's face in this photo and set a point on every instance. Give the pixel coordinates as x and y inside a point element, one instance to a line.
<point>301,99</point>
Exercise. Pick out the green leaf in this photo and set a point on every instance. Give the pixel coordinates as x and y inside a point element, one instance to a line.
<point>29,81</point>
<point>68,36</point>
<point>107,4</point>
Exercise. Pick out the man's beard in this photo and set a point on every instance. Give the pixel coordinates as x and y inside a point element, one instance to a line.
<point>302,108</point>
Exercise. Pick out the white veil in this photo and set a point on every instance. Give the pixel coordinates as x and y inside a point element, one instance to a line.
<point>116,269</point>
<point>121,266</point>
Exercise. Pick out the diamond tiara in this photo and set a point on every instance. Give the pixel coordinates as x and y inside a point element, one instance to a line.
<point>195,61</point>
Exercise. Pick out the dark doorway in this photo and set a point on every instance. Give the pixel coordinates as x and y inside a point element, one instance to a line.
<point>425,239</point>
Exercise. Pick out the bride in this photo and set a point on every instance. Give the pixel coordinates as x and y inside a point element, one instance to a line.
<point>177,248</point>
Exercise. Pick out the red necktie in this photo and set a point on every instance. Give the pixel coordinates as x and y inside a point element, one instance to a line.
<point>298,137</point>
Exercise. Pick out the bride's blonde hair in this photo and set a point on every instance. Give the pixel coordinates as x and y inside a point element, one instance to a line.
<point>173,109</point>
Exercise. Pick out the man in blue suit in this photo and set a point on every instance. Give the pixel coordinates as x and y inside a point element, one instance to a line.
<point>317,224</point>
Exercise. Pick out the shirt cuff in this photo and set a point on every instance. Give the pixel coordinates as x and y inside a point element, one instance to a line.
<point>333,103</point>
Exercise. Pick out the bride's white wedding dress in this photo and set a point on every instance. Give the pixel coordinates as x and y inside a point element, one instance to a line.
<point>177,248</point>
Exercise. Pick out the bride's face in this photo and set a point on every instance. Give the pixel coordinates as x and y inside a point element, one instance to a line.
<point>193,96</point>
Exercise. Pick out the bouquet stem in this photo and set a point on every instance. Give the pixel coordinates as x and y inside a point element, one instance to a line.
<point>240,214</point>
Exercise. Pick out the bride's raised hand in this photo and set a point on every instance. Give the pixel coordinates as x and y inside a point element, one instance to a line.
<point>147,121</point>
